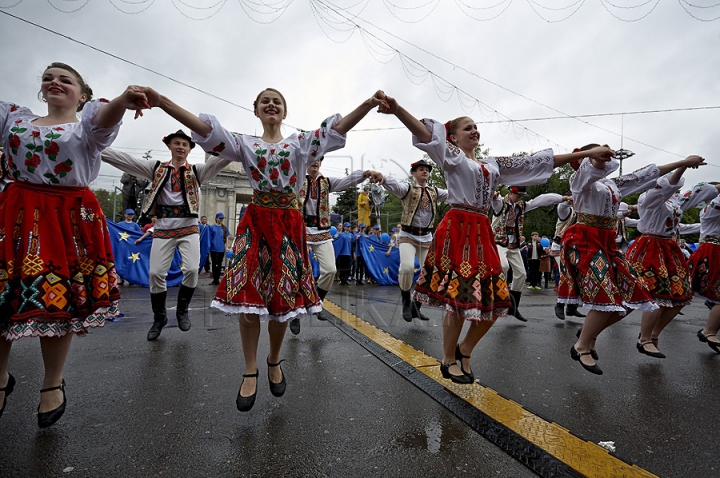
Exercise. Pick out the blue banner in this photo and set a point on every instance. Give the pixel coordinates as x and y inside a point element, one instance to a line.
<point>382,268</point>
<point>132,261</point>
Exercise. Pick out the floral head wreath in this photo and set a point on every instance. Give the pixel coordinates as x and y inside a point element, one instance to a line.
<point>447,132</point>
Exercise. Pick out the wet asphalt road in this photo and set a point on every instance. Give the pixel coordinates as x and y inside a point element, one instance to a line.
<point>166,408</point>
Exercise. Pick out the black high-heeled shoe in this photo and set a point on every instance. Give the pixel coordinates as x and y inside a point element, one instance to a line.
<point>8,389</point>
<point>445,371</point>
<point>244,404</point>
<point>46,419</point>
<point>593,352</point>
<point>458,357</point>
<point>590,368</point>
<point>277,389</point>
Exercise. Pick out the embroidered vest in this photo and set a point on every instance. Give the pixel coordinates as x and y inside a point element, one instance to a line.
<point>502,229</point>
<point>411,202</point>
<point>190,189</point>
<point>321,219</point>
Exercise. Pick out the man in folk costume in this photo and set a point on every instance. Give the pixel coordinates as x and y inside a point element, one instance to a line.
<point>175,198</point>
<point>508,227</point>
<point>566,217</point>
<point>418,222</point>
<point>315,197</point>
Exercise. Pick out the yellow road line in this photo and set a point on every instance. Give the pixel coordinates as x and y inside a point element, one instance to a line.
<point>583,456</point>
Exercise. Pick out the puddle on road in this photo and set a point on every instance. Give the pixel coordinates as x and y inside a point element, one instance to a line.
<point>433,438</point>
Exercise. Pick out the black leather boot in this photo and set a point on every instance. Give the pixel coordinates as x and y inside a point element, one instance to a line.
<point>516,303</point>
<point>572,311</point>
<point>407,312</point>
<point>183,304</point>
<point>321,315</point>
<point>416,311</point>
<point>560,311</point>
<point>157,301</point>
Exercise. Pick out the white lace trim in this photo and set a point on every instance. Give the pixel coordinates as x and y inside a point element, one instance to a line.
<point>263,313</point>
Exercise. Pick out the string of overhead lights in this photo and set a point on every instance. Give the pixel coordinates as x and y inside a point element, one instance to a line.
<point>264,12</point>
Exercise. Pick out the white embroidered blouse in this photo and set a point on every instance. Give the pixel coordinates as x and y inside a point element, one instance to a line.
<point>594,194</point>
<point>471,183</point>
<point>65,154</point>
<point>272,167</point>
<point>710,219</point>
<point>662,208</point>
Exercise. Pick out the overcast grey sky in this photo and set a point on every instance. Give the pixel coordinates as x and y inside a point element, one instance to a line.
<point>590,63</point>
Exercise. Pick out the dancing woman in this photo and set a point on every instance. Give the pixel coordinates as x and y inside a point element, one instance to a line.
<point>657,257</point>
<point>595,274</point>
<point>462,271</point>
<point>269,277</point>
<point>57,272</point>
<point>705,271</point>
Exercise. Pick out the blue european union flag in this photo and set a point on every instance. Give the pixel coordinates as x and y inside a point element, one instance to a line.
<point>132,261</point>
<point>382,268</point>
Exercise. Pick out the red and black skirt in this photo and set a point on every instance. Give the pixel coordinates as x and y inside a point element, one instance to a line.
<point>704,267</point>
<point>595,274</point>
<point>462,270</point>
<point>661,263</point>
<point>57,272</point>
<point>269,273</point>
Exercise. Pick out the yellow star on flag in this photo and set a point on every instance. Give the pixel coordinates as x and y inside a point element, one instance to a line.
<point>386,270</point>
<point>135,257</point>
<point>371,248</point>
<point>124,236</point>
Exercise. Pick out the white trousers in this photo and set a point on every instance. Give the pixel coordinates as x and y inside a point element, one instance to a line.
<point>161,256</point>
<point>325,255</point>
<point>513,258</point>
<point>407,262</point>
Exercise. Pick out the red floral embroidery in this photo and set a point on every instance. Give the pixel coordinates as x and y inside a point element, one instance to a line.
<point>285,145</point>
<point>262,163</point>
<point>62,168</point>
<point>255,174</point>
<point>293,180</point>
<point>274,174</point>
<point>58,128</point>
<point>35,133</point>
<point>14,142</point>
<point>272,151</point>
<point>33,161</point>
<point>219,148</point>
<point>285,167</point>
<point>13,108</point>
<point>53,149</point>
<point>103,100</point>
<point>18,121</point>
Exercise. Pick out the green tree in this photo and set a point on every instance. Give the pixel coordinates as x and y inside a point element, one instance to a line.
<point>346,204</point>
<point>543,219</point>
<point>106,198</point>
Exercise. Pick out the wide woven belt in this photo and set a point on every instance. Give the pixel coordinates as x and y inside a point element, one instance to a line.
<point>173,211</point>
<point>275,200</point>
<point>418,231</point>
<point>473,210</point>
<point>711,240</point>
<point>602,222</point>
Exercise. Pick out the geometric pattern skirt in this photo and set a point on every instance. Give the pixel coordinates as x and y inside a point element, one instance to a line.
<point>57,272</point>
<point>269,273</point>
<point>462,270</point>
<point>704,267</point>
<point>660,261</point>
<point>596,275</point>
